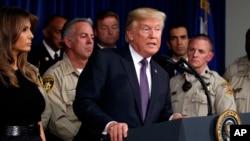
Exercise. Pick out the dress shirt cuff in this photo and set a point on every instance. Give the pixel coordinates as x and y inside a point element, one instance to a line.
<point>105,131</point>
<point>171,117</point>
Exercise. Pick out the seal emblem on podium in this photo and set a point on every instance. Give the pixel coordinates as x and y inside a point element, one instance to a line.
<point>225,120</point>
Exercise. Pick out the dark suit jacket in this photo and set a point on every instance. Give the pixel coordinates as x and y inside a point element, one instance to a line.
<point>108,90</point>
<point>39,56</point>
<point>161,60</point>
<point>96,46</point>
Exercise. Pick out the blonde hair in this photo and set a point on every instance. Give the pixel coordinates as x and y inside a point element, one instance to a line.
<point>203,37</point>
<point>141,14</point>
<point>12,21</point>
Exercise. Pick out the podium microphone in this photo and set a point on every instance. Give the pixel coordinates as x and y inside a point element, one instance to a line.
<point>177,65</point>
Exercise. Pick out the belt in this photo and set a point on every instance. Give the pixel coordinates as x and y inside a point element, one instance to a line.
<point>24,130</point>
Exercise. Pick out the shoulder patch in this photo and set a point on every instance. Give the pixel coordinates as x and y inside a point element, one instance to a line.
<point>226,88</point>
<point>48,83</point>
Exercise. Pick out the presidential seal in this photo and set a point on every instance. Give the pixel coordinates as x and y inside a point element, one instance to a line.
<point>226,119</point>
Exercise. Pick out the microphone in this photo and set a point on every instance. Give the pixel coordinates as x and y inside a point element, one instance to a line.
<point>177,65</point>
<point>169,60</point>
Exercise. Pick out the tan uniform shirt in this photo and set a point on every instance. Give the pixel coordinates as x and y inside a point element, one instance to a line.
<point>60,82</point>
<point>194,101</point>
<point>238,75</point>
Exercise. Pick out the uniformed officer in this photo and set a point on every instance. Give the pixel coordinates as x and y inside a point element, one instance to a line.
<point>44,54</point>
<point>238,75</point>
<point>60,80</point>
<point>187,94</point>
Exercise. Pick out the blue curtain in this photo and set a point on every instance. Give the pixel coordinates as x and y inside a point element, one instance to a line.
<point>177,11</point>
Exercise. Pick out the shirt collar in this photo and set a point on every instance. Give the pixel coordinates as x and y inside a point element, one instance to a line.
<point>101,47</point>
<point>50,50</point>
<point>135,56</point>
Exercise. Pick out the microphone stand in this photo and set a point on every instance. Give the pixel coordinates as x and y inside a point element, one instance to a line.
<point>196,74</point>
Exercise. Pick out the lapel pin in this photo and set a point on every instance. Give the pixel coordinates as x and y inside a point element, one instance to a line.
<point>46,58</point>
<point>155,71</point>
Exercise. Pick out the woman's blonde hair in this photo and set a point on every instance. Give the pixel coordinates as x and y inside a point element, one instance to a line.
<point>12,21</point>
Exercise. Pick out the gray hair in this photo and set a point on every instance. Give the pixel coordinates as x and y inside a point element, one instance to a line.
<point>67,29</point>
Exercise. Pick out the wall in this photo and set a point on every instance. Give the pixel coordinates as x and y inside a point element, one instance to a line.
<point>237,23</point>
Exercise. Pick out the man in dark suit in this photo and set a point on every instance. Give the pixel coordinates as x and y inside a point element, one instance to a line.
<point>106,29</point>
<point>49,51</point>
<point>109,92</point>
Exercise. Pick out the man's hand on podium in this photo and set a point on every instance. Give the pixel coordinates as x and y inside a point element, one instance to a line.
<point>117,131</point>
<point>178,116</point>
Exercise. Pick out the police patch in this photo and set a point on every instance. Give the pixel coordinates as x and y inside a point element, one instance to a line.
<point>226,88</point>
<point>48,83</point>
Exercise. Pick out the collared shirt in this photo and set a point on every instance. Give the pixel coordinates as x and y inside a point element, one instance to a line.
<point>238,75</point>
<point>60,82</point>
<point>240,66</point>
<point>102,47</point>
<point>51,51</point>
<point>194,101</point>
<point>136,59</point>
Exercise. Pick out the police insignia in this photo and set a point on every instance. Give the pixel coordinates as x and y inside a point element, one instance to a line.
<point>209,87</point>
<point>227,118</point>
<point>48,83</point>
<point>226,88</point>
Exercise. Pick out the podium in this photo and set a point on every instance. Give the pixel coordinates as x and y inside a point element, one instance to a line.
<point>186,129</point>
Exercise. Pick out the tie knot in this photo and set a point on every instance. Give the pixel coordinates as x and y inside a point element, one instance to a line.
<point>144,62</point>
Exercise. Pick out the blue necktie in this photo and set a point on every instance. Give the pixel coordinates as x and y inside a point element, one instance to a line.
<point>144,87</point>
